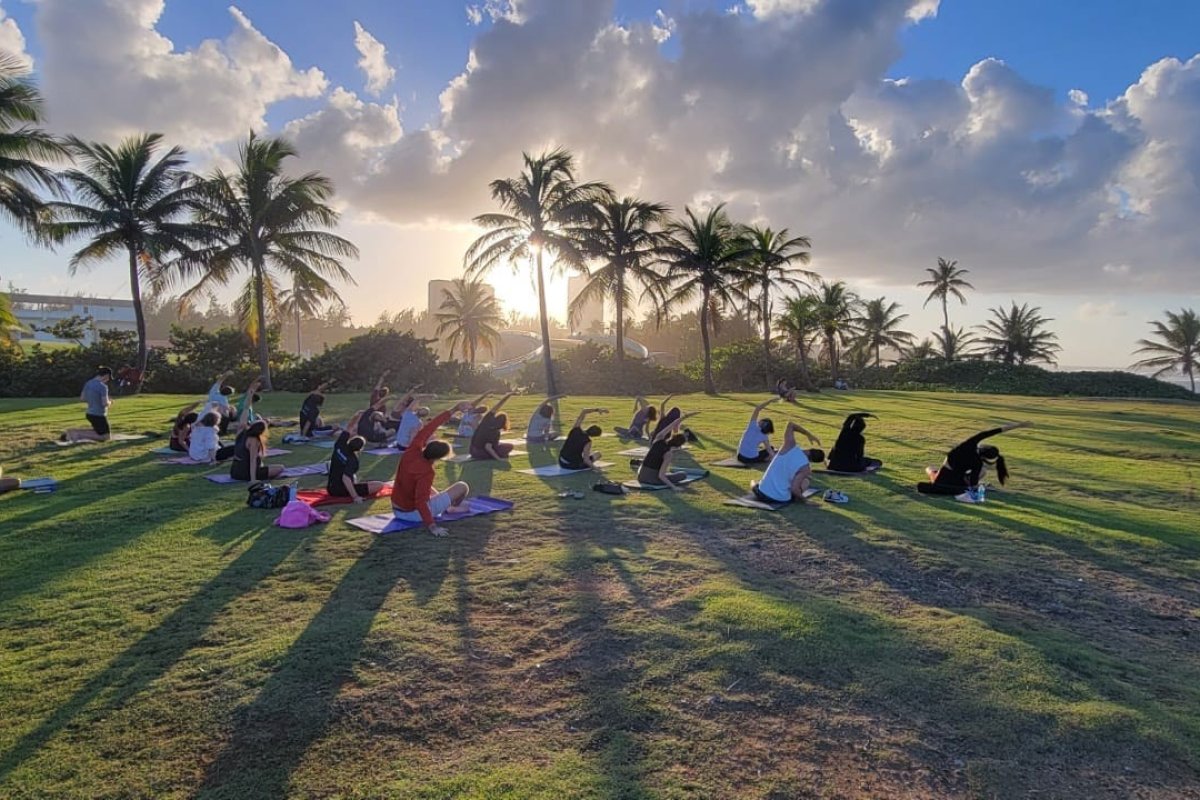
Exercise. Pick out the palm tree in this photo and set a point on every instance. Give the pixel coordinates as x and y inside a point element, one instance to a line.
<point>626,239</point>
<point>132,199</point>
<point>943,282</point>
<point>923,350</point>
<point>470,318</point>
<point>706,256</point>
<point>269,223</point>
<point>10,326</point>
<point>954,343</point>
<point>1018,335</point>
<point>771,256</point>
<point>305,300</point>
<point>544,211</point>
<point>1177,346</point>
<point>836,306</point>
<point>878,326</point>
<point>800,323</point>
<point>23,147</point>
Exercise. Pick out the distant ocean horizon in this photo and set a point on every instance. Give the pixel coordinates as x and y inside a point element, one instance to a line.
<point>1178,380</point>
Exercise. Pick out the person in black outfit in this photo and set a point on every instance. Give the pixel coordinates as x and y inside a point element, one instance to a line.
<point>485,442</point>
<point>311,423</point>
<point>849,451</point>
<point>370,425</point>
<point>576,452</point>
<point>343,470</point>
<point>964,466</point>
<point>248,451</point>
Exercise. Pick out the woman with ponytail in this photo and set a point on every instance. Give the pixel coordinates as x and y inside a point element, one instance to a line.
<point>965,465</point>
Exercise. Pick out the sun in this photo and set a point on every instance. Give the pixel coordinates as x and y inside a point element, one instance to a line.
<point>517,291</point>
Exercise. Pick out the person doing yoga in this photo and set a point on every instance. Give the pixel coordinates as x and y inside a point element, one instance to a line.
<point>204,446</point>
<point>655,468</point>
<point>541,428</point>
<point>311,423</point>
<point>666,419</point>
<point>576,452</point>
<point>249,450</point>
<point>245,407</point>
<point>755,445</point>
<point>965,465</point>
<point>412,415</point>
<point>413,496</point>
<point>849,451</point>
<point>785,391</point>
<point>218,398</point>
<point>343,470</point>
<point>181,428</point>
<point>790,471</point>
<point>485,444</point>
<point>95,394</point>
<point>643,415</point>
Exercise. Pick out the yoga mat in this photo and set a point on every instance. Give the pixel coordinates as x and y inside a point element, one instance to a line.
<point>290,472</point>
<point>387,523</point>
<point>185,460</point>
<point>116,437</point>
<point>463,458</point>
<point>555,471</point>
<point>320,497</point>
<point>384,451</point>
<point>733,463</point>
<point>871,470</point>
<point>642,452</point>
<point>752,501</point>
<point>654,487</point>
<point>39,485</point>
<point>324,444</point>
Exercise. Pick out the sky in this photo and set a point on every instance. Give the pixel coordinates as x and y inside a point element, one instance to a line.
<point>1051,148</point>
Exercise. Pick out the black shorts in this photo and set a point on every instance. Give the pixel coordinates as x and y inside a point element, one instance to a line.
<point>762,457</point>
<point>766,498</point>
<point>575,465</point>
<point>99,424</point>
<point>240,471</point>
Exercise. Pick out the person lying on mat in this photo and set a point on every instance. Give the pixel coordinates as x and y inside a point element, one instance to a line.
<point>411,418</point>
<point>181,428</point>
<point>790,471</point>
<point>311,423</point>
<point>95,394</point>
<point>249,449</point>
<point>576,451</point>
<point>469,419</point>
<point>541,426</point>
<point>485,444</point>
<point>413,496</point>
<point>643,415</point>
<point>204,445</point>
<point>755,445</point>
<point>655,468</point>
<point>343,470</point>
<point>966,464</point>
<point>218,396</point>
<point>849,451</point>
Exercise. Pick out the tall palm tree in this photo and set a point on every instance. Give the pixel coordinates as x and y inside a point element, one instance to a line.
<point>1175,346</point>
<point>544,211</point>
<point>944,282</point>
<point>266,222</point>
<point>626,239</point>
<point>836,306</point>
<point>704,255</point>
<point>24,148</point>
<point>878,326</point>
<point>10,326</point>
<point>305,300</point>
<point>954,343</point>
<point>133,199</point>
<point>771,255</point>
<point>1018,335</point>
<point>800,323</point>
<point>469,318</point>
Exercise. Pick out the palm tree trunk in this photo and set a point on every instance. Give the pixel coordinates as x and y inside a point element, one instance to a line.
<point>139,314</point>
<point>709,386</point>
<point>802,351</point>
<point>260,307</point>
<point>298,350</point>
<point>547,359</point>
<point>619,352</point>
<point>878,361</point>
<point>766,329</point>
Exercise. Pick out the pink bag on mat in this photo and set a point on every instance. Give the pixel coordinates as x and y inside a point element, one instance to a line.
<point>298,514</point>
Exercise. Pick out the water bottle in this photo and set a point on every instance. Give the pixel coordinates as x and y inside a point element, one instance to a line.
<point>980,493</point>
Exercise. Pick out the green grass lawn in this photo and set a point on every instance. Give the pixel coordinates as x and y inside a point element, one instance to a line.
<point>158,639</point>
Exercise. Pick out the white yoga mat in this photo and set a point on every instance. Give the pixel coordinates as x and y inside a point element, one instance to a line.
<point>556,471</point>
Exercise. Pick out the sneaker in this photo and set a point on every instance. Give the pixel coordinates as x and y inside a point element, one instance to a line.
<point>832,496</point>
<point>966,497</point>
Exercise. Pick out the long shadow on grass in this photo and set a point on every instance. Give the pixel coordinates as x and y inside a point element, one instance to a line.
<point>152,656</point>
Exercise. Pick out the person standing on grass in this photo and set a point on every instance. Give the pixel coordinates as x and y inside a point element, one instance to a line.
<point>95,394</point>
<point>755,445</point>
<point>790,472</point>
<point>414,499</point>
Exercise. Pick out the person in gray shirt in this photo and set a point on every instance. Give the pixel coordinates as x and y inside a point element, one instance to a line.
<point>95,394</point>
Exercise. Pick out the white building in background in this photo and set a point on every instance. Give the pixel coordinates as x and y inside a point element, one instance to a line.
<point>590,318</point>
<point>438,288</point>
<point>36,311</point>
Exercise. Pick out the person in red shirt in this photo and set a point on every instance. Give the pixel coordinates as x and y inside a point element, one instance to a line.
<point>413,496</point>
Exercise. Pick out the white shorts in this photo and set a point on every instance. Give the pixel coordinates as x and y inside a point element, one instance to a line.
<point>438,504</point>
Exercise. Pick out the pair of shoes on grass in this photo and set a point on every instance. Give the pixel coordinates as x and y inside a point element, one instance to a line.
<point>571,494</point>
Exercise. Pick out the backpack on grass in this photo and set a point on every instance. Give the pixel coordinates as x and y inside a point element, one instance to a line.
<point>264,495</point>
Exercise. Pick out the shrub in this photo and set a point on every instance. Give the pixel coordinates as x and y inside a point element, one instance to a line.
<point>590,369</point>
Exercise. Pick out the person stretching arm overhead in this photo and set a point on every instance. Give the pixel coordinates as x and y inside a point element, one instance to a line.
<point>541,424</point>
<point>485,444</point>
<point>790,471</point>
<point>965,465</point>
<point>343,470</point>
<point>470,418</point>
<point>576,452</point>
<point>755,445</point>
<point>413,495</point>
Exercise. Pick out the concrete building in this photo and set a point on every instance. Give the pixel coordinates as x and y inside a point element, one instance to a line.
<point>590,318</point>
<point>437,289</point>
<point>37,311</point>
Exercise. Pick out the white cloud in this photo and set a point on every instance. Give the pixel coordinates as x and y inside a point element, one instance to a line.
<point>12,40</point>
<point>1078,97</point>
<point>372,60</point>
<point>923,9</point>
<point>1097,310</point>
<point>200,97</point>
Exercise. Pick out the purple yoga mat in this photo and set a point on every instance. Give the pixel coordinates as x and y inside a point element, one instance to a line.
<point>290,472</point>
<point>386,523</point>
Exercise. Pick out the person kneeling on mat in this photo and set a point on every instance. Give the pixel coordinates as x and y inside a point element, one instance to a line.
<point>849,451</point>
<point>790,471</point>
<point>413,496</point>
<point>965,465</point>
<point>576,452</point>
<point>655,468</point>
<point>343,470</point>
<point>755,445</point>
<point>95,394</point>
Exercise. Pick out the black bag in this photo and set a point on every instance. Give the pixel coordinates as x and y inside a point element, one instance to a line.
<point>264,495</point>
<point>608,487</point>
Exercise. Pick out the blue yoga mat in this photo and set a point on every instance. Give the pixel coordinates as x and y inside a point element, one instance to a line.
<point>387,523</point>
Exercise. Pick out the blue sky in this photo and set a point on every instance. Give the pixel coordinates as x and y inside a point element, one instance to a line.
<point>1086,211</point>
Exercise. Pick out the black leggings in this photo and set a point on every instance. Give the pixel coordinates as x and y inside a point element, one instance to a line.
<point>763,456</point>
<point>942,489</point>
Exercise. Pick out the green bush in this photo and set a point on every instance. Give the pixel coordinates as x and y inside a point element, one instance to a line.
<point>590,369</point>
<point>197,356</point>
<point>62,371</point>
